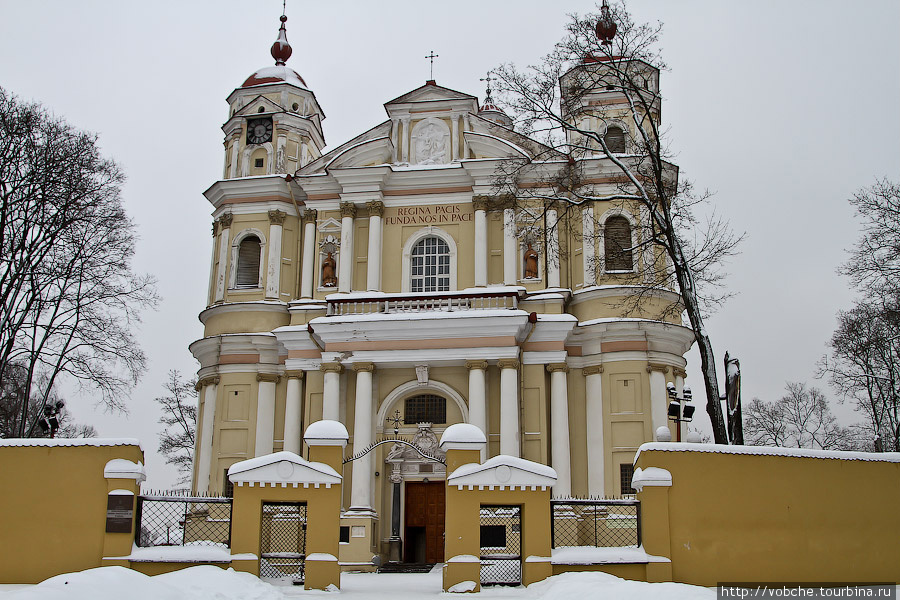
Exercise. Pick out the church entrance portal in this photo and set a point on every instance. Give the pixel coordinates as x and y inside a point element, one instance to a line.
<point>424,527</point>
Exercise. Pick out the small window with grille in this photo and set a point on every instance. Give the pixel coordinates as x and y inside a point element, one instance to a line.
<point>248,263</point>
<point>617,244</point>
<point>615,139</point>
<point>430,266</point>
<point>626,473</point>
<point>227,486</point>
<point>345,534</point>
<point>425,408</point>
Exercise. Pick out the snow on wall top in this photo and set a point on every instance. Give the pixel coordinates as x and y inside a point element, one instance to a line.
<point>893,457</point>
<point>465,433</point>
<point>326,430</point>
<point>282,467</point>
<point>49,443</point>
<point>504,471</point>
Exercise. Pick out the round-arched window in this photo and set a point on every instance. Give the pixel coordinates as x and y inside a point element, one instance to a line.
<point>615,139</point>
<point>617,244</point>
<point>248,263</point>
<point>430,266</point>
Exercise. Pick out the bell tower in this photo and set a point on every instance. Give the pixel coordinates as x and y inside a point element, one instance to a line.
<point>274,121</point>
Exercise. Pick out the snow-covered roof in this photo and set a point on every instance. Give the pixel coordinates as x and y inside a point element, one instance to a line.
<point>277,74</point>
<point>768,451</point>
<point>503,471</point>
<point>283,468</point>
<point>45,442</point>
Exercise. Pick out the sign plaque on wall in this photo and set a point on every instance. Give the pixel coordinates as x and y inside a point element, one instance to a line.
<point>119,513</point>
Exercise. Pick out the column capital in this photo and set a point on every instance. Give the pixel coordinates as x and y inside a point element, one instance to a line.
<point>276,217</point>
<point>364,366</point>
<point>657,367</point>
<point>310,215</point>
<point>679,372</point>
<point>348,209</point>
<point>592,370</point>
<point>268,377</point>
<point>294,374</point>
<point>332,367</point>
<point>215,228</point>
<point>558,367</point>
<point>225,220</point>
<point>211,380</point>
<point>481,202</point>
<point>375,208</point>
<point>508,363</point>
<point>480,365</point>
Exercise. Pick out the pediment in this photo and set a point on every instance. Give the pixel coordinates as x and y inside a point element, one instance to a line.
<point>282,468</point>
<point>491,146</point>
<point>252,108</point>
<point>376,151</point>
<point>503,472</point>
<point>430,93</point>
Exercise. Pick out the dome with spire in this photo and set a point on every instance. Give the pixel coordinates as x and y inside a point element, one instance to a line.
<point>281,51</point>
<point>491,111</point>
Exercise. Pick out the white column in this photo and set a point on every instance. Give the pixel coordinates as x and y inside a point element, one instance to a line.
<point>331,392</point>
<point>273,268</point>
<point>292,413</point>
<point>204,459</point>
<point>679,390</point>
<point>454,138</point>
<point>211,293</point>
<point>552,248</point>
<point>509,406</point>
<point>361,488</point>
<point>265,414</point>
<point>395,139</point>
<point>345,276</point>
<point>309,254</point>
<point>588,246</point>
<point>481,253</point>
<point>510,255</point>
<point>405,139</point>
<point>373,274</point>
<point>224,242</point>
<point>559,429</point>
<point>234,156</point>
<point>596,451</point>
<point>477,399</point>
<point>659,401</point>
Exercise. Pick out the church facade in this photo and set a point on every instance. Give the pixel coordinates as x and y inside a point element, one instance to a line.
<point>386,284</point>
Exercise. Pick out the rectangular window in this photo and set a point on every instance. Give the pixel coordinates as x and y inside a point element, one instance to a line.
<point>345,535</point>
<point>626,473</point>
<point>227,486</point>
<point>493,536</point>
<point>258,163</point>
<point>425,408</point>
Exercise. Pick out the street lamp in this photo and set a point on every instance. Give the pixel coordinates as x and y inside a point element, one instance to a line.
<point>50,420</point>
<point>678,412</point>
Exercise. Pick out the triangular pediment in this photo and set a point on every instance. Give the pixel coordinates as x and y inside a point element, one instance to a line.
<point>252,107</point>
<point>428,93</point>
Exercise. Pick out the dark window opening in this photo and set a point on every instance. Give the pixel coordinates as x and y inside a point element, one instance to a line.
<point>345,534</point>
<point>617,244</point>
<point>615,139</point>
<point>258,163</point>
<point>626,473</point>
<point>425,408</point>
<point>227,486</point>
<point>248,263</point>
<point>493,536</point>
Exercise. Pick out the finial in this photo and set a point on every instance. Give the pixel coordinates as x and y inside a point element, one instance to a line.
<point>431,57</point>
<point>281,49</point>
<point>606,27</point>
<point>487,92</point>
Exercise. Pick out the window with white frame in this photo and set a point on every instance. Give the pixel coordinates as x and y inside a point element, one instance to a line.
<point>430,265</point>
<point>248,257</point>
<point>617,250</point>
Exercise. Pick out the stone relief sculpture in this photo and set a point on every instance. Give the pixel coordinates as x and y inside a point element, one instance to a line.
<point>431,143</point>
<point>530,268</point>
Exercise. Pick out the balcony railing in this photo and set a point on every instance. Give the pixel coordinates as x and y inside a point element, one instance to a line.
<point>354,304</point>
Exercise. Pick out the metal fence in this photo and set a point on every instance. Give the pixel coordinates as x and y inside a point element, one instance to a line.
<point>170,520</point>
<point>501,545</point>
<point>282,543</point>
<point>599,523</point>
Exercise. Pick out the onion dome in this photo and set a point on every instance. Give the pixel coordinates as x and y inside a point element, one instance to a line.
<point>491,111</point>
<point>281,51</point>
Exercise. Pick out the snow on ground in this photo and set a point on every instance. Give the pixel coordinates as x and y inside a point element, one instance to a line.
<point>213,583</point>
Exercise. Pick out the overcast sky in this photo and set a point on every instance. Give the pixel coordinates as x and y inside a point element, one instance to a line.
<point>782,108</point>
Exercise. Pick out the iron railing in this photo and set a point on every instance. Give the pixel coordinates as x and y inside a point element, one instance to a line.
<point>501,545</point>
<point>599,523</point>
<point>172,520</point>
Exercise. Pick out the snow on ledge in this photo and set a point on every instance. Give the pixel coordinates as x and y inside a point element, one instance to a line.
<point>190,553</point>
<point>119,468</point>
<point>321,556</point>
<point>46,442</point>
<point>893,457</point>
<point>462,587</point>
<point>592,555</point>
<point>650,476</point>
<point>463,558</point>
<point>326,433</point>
<point>462,436</point>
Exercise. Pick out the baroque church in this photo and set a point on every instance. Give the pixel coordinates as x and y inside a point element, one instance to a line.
<point>386,284</point>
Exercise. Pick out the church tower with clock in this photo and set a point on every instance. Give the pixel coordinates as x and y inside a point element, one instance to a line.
<point>385,283</point>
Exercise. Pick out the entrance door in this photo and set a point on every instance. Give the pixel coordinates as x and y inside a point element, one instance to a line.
<point>282,541</point>
<point>501,545</point>
<point>424,539</point>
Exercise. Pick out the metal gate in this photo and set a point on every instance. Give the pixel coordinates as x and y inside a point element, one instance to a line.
<point>501,545</point>
<point>282,541</point>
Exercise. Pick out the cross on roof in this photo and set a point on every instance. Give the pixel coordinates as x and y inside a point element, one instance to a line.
<point>488,79</point>
<point>431,57</point>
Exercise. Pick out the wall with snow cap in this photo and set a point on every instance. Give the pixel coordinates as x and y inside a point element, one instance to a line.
<point>740,513</point>
<point>54,500</point>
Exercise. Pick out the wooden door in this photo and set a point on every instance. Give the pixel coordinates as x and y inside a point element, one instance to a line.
<point>425,506</point>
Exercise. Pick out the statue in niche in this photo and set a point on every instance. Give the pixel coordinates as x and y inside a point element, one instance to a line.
<point>430,145</point>
<point>329,278</point>
<point>531,262</point>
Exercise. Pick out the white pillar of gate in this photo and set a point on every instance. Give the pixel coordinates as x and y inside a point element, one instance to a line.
<point>331,392</point>
<point>204,459</point>
<point>477,403</point>
<point>292,413</point>
<point>559,429</point>
<point>361,487</point>
<point>593,402</point>
<point>509,406</point>
<point>309,253</point>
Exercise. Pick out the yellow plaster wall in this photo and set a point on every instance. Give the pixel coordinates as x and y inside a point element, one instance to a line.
<point>626,424</point>
<point>53,511</point>
<point>773,518</point>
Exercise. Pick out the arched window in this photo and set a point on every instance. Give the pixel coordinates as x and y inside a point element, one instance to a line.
<point>425,408</point>
<point>615,139</point>
<point>617,244</point>
<point>248,263</point>
<point>430,266</point>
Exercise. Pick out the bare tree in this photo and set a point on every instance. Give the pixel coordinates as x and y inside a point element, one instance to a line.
<point>874,264</point>
<point>68,297</point>
<point>179,408</point>
<point>799,419</point>
<point>594,103</point>
<point>12,386</point>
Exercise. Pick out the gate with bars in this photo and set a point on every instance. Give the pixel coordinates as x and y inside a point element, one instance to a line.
<point>282,543</point>
<point>501,545</point>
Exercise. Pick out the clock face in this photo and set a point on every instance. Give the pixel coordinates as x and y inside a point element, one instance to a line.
<point>259,131</point>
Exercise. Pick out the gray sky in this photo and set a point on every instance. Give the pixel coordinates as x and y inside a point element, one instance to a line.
<point>782,108</point>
